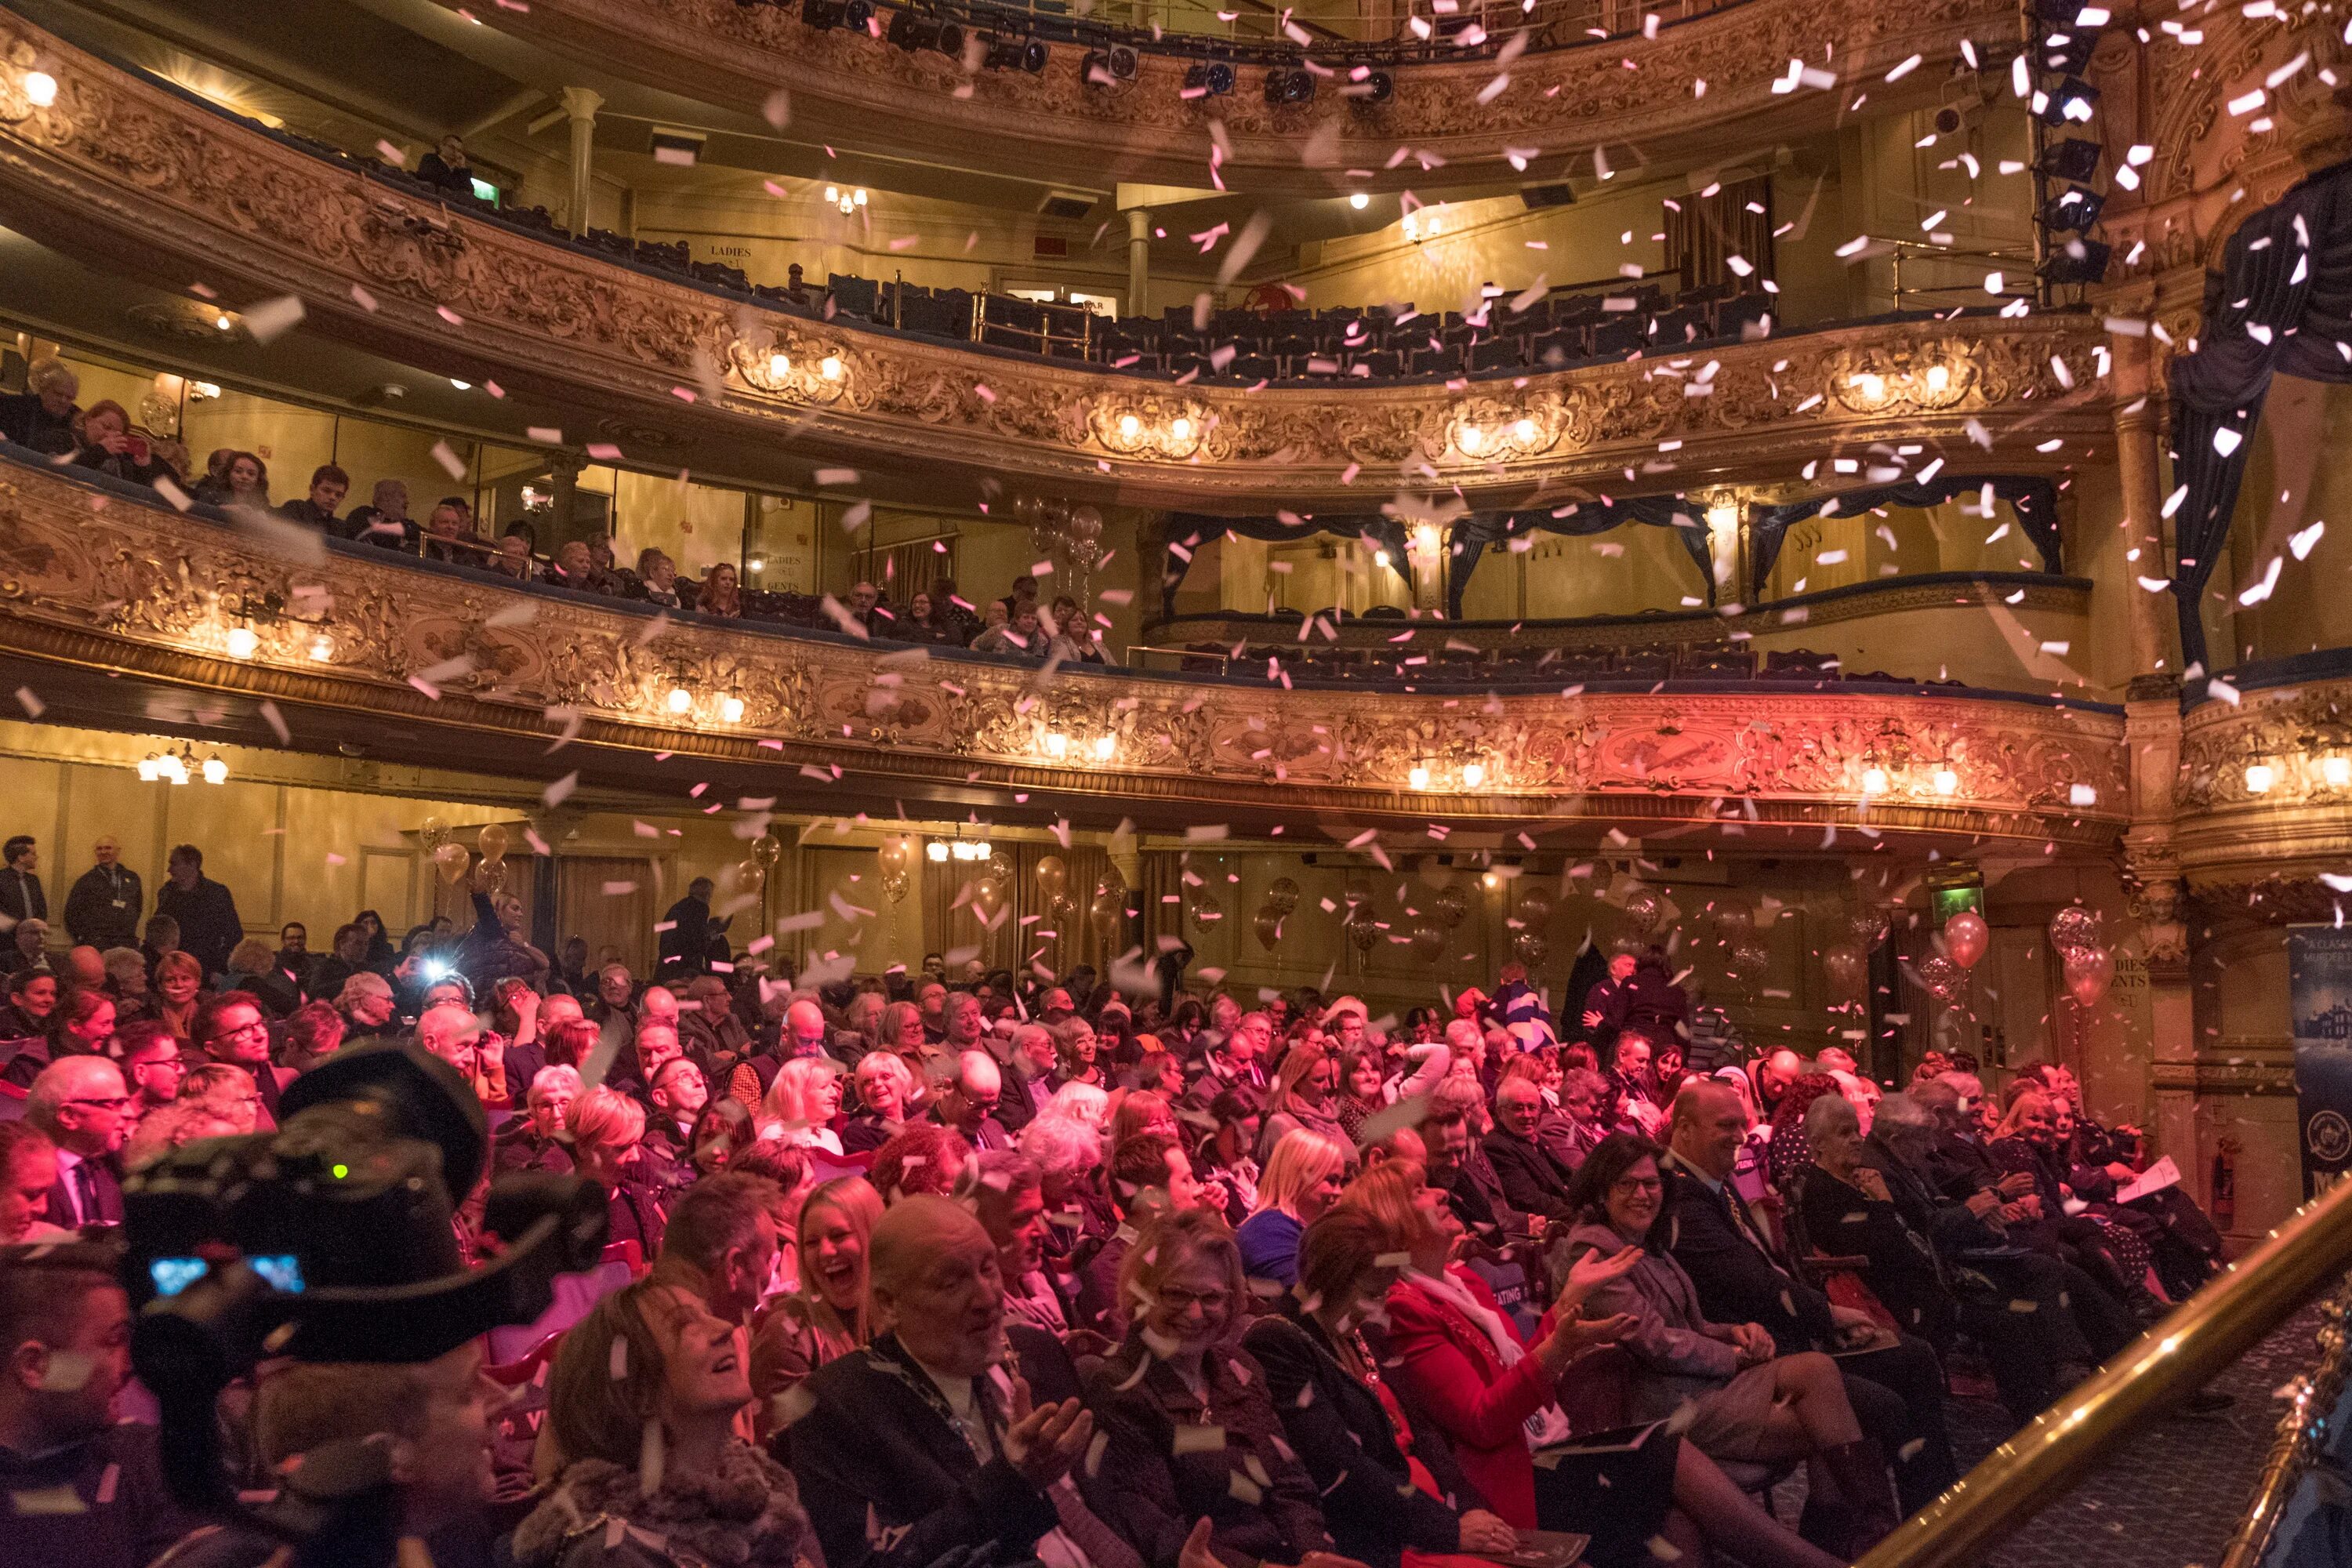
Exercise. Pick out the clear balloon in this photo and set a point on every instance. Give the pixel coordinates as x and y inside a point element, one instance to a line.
<point>1965,937</point>
<point>1206,911</point>
<point>1734,920</point>
<point>433,833</point>
<point>1282,895</point>
<point>1535,906</point>
<point>767,849</point>
<point>2073,929</point>
<point>1945,981</point>
<point>1450,907</point>
<point>1530,948</point>
<point>749,875</point>
<point>1108,913</point>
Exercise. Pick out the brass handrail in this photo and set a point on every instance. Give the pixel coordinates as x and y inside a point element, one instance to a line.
<point>2203,1336</point>
<point>2311,1400</point>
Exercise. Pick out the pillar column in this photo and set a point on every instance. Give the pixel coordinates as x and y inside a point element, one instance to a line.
<point>2139,418</point>
<point>1139,260</point>
<point>580,106</point>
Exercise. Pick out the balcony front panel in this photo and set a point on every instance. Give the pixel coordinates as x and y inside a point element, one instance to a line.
<point>2264,791</point>
<point>131,176</point>
<point>104,579</point>
<point>1553,105</point>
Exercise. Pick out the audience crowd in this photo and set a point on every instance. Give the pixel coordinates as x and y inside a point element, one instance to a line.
<point>995,1268</point>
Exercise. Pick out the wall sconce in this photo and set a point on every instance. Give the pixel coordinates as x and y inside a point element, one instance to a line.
<point>1130,426</point>
<point>829,367</point>
<point>1873,781</point>
<point>2259,778</point>
<point>179,767</point>
<point>322,648</point>
<point>847,202</point>
<point>203,391</point>
<point>1105,747</point>
<point>1473,775</point>
<point>936,850</point>
<point>1057,745</point>
<point>1471,439</point>
<point>780,365</point>
<point>730,708</point>
<point>2337,770</point>
<point>681,701</point>
<point>1418,777</point>
<point>243,642</point>
<point>40,89</point>
<point>1947,782</point>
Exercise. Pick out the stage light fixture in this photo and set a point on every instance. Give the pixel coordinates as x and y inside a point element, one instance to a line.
<point>1106,67</point>
<point>912,33</point>
<point>1005,54</point>
<point>2072,159</point>
<point>1214,77</point>
<point>1288,86</point>
<point>2073,99</point>
<point>859,15</point>
<point>824,15</point>
<point>2072,210</point>
<point>1377,87</point>
<point>2069,54</point>
<point>2077,261</point>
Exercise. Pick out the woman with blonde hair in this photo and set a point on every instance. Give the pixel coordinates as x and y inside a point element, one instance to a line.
<point>885,1085</point>
<point>824,1314</point>
<point>179,980</point>
<point>1302,1178</point>
<point>608,1130</point>
<point>1305,1094</point>
<point>802,1102</point>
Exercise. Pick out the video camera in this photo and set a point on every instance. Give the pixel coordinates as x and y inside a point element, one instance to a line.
<point>331,1240</point>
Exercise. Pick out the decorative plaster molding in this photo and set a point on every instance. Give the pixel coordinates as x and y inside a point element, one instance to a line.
<point>1555,104</point>
<point>107,582</point>
<point>130,175</point>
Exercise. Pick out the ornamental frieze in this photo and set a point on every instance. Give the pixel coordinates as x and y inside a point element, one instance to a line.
<point>1554,104</point>
<point>116,166</point>
<point>85,578</point>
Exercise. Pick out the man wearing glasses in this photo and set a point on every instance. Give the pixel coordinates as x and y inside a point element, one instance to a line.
<point>229,1029</point>
<point>81,1104</point>
<point>152,1065</point>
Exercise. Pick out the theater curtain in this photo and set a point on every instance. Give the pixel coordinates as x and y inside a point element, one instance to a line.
<point>1188,531</point>
<point>609,901</point>
<point>2281,306</point>
<point>1027,933</point>
<point>2032,497</point>
<point>1703,233</point>
<point>1472,533</point>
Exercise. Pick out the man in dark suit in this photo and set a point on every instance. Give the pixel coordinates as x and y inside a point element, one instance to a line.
<point>686,932</point>
<point>21,898</point>
<point>102,908</point>
<point>1896,1389</point>
<point>888,1442</point>
<point>970,1103</point>
<point>1458,1166</point>
<point>205,913</point>
<point>81,1104</point>
<point>1028,1077</point>
<point>1532,1179</point>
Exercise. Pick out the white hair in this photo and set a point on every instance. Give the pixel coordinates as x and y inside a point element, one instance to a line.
<point>1059,1144</point>
<point>560,1076</point>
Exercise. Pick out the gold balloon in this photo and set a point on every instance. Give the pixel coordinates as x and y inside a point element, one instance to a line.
<point>1847,968</point>
<point>897,857</point>
<point>1428,942</point>
<point>749,875</point>
<point>767,849</point>
<point>1449,907</point>
<point>1282,895</point>
<point>1267,924</point>
<point>987,896</point>
<point>1535,906</point>
<point>1108,913</point>
<point>453,861</point>
<point>1052,877</point>
<point>493,843</point>
<point>431,831</point>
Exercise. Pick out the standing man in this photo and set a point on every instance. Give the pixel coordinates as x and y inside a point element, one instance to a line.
<point>102,908</point>
<point>686,932</point>
<point>21,898</point>
<point>206,914</point>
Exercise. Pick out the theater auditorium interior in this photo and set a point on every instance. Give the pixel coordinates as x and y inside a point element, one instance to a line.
<point>1359,783</point>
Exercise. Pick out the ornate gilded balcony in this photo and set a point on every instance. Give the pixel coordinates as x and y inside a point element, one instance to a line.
<point>1553,104</point>
<point>404,660</point>
<point>2264,789</point>
<point>131,176</point>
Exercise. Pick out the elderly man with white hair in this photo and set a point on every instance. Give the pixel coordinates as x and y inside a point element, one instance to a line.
<point>530,1141</point>
<point>83,1106</point>
<point>452,1033</point>
<point>968,1101</point>
<point>42,415</point>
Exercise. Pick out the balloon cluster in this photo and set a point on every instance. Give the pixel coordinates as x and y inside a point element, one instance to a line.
<point>1054,902</point>
<point>1072,533</point>
<point>2085,960</point>
<point>897,862</point>
<point>1281,897</point>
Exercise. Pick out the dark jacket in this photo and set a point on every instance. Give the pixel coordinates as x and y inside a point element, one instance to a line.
<point>23,421</point>
<point>22,896</point>
<point>889,1480</point>
<point>1739,1280</point>
<point>1904,1273</point>
<point>209,927</point>
<point>1478,1199</point>
<point>686,944</point>
<point>102,907</point>
<point>1343,1437</point>
<point>126,1517</point>
<point>1160,1485</point>
<point>1532,1180</point>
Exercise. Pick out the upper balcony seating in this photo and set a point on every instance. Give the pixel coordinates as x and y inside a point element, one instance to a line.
<point>1631,660</point>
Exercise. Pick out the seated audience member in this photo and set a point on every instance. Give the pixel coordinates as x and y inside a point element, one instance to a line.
<point>1302,1179</point>
<point>184,1122</point>
<point>1387,1484</point>
<point>28,1172</point>
<point>1182,1367</point>
<point>328,486</point>
<point>1223,1159</point>
<point>925,1158</point>
<point>253,968</point>
<point>677,1097</point>
<point>721,1244</point>
<point>1072,640</point>
<point>824,1316</point>
<point>608,1130</point>
<point>723,1131</point>
<point>384,520</point>
<point>314,1032</point>
<point>1458,1166</point>
<point>1149,1172</point>
<point>719,595</point>
<point>227,1091</point>
<point>367,1006</point>
<point>535,1140</point>
<point>42,417</point>
<point>447,166</point>
<point>1533,1178</point>
<point>1893,1381</point>
<point>1008,1195</point>
<point>1461,1366</point>
<point>907,1449</point>
<point>1748,1403</point>
<point>883,1084</point>
<point>152,1066</point>
<point>968,1102</point>
<point>641,1408</point>
<point>76,1486</point>
<point>1305,1094</point>
<point>802,1102</point>
<point>2025,1143</point>
<point>658,581</point>
<point>243,481</point>
<point>1019,637</point>
<point>109,446</point>
<point>82,1107</point>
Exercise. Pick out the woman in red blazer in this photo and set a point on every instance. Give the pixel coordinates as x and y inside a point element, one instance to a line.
<point>1457,1361</point>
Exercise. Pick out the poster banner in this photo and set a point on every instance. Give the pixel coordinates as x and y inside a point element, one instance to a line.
<point>2319,995</point>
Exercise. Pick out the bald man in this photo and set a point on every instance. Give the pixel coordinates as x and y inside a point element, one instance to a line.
<point>804,1030</point>
<point>452,1033</point>
<point>908,1449</point>
<point>970,1103</point>
<point>81,1104</point>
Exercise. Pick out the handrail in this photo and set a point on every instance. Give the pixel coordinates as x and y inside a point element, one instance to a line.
<point>2203,1336</point>
<point>2302,1434</point>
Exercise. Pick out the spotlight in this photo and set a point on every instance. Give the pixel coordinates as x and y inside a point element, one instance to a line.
<point>1214,77</point>
<point>2072,159</point>
<point>1288,86</point>
<point>2072,209</point>
<point>1378,86</point>
<point>2067,53</point>
<point>1015,53</point>
<point>859,15</point>
<point>951,39</point>
<point>910,32</point>
<point>2077,261</point>
<point>1106,67</point>
<point>2075,99</point>
<point>824,15</point>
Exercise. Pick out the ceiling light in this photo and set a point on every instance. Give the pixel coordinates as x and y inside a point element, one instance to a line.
<point>937,849</point>
<point>1473,775</point>
<point>216,771</point>
<point>680,699</point>
<point>730,708</point>
<point>243,642</point>
<point>2260,777</point>
<point>40,89</point>
<point>1947,782</point>
<point>1418,777</point>
<point>222,321</point>
<point>461,386</point>
<point>1873,781</point>
<point>1359,201</point>
<point>1380,557</point>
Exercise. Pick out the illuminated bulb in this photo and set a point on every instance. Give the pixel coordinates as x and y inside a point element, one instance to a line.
<point>203,391</point>
<point>172,768</point>
<point>936,850</point>
<point>1472,439</point>
<point>322,648</point>
<point>1473,775</point>
<point>1947,782</point>
<point>461,386</point>
<point>1524,429</point>
<point>1104,746</point>
<point>1380,557</point>
<point>830,367</point>
<point>2260,777</point>
<point>832,196</point>
<point>40,89</point>
<point>1359,201</point>
<point>1938,377</point>
<point>1490,882</point>
<point>216,771</point>
<point>1874,386</point>
<point>243,642</point>
<point>1873,781</point>
<point>221,323</point>
<point>1130,426</point>
<point>861,196</point>
<point>981,850</point>
<point>779,366</point>
<point>680,699</point>
<point>1418,778</point>
<point>1181,428</point>
<point>2337,771</point>
<point>150,769</point>
<point>1057,745</point>
<point>731,710</point>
